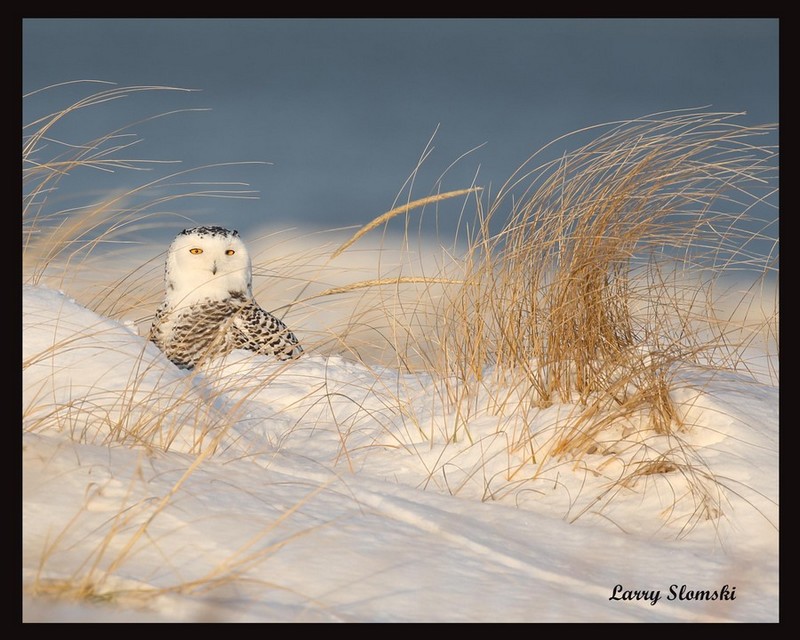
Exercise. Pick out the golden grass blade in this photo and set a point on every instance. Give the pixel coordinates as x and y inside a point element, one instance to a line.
<point>401,209</point>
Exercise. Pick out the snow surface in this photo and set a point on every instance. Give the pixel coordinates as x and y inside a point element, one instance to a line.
<point>326,490</point>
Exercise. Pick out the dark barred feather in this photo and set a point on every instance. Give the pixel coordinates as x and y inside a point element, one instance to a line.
<point>213,328</point>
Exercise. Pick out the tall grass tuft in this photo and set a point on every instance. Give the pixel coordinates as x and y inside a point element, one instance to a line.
<point>607,268</point>
<point>591,281</point>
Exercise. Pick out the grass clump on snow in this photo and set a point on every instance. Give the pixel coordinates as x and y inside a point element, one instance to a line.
<point>606,272</point>
<point>609,275</point>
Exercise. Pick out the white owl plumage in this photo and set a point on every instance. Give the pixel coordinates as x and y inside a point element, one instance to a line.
<point>208,308</point>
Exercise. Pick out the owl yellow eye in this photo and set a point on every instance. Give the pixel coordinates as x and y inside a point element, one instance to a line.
<point>196,251</point>
<point>229,252</point>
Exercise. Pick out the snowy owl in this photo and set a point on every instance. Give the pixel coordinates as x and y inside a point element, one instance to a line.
<point>208,308</point>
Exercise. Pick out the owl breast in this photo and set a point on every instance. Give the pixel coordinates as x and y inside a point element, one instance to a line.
<point>191,334</point>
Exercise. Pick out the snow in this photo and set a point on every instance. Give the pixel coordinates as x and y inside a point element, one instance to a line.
<point>326,489</point>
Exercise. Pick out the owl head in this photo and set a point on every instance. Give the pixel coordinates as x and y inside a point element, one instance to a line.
<point>207,263</point>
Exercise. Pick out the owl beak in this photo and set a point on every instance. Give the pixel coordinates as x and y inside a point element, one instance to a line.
<point>214,269</point>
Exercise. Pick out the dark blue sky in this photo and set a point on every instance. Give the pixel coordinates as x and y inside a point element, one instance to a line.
<point>344,108</point>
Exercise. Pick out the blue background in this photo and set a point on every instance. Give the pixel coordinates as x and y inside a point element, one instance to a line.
<point>342,109</point>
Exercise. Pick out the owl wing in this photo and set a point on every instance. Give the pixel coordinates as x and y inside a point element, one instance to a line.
<point>257,330</point>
